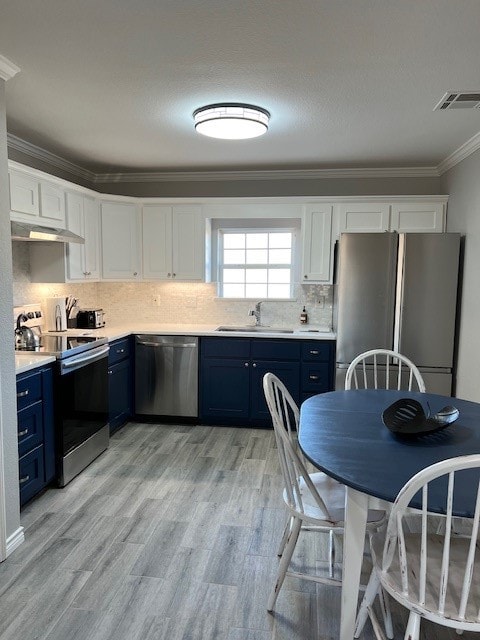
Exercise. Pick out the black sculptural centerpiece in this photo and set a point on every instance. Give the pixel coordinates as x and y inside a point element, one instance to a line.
<point>407,417</point>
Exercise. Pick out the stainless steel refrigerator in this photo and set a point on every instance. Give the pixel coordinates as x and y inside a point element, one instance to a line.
<point>398,291</point>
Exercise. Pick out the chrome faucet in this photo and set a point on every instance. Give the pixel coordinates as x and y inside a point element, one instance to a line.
<point>257,313</point>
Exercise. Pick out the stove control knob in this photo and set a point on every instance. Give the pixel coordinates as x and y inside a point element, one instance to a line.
<point>38,314</point>
<point>30,315</point>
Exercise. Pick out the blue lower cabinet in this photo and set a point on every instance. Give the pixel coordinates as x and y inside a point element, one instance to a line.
<point>224,390</point>
<point>232,370</point>
<point>287,372</point>
<point>120,384</point>
<point>35,428</point>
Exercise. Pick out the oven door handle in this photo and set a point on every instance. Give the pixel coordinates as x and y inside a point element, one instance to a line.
<point>75,363</point>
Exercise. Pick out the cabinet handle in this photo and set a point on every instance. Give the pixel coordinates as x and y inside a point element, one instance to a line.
<point>174,275</point>
<point>89,273</point>
<point>314,353</point>
<point>110,372</point>
<point>24,479</point>
<point>85,273</point>
<point>120,350</point>
<point>135,273</point>
<point>246,364</point>
<point>313,377</point>
<point>169,275</point>
<point>23,394</point>
<point>254,365</point>
<point>22,433</point>
<point>305,276</point>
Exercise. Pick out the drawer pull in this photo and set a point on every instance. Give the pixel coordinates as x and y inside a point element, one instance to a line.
<point>22,433</point>
<point>314,352</point>
<point>24,479</point>
<point>22,394</point>
<point>313,377</point>
<point>246,364</point>
<point>254,365</point>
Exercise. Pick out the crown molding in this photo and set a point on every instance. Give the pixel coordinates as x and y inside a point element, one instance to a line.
<point>280,174</point>
<point>38,153</point>
<point>460,154</point>
<point>7,68</point>
<point>73,169</point>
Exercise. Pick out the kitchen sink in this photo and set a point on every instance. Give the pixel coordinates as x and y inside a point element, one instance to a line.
<point>248,329</point>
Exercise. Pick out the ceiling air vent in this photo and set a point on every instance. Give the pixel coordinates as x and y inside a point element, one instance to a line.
<point>459,100</point>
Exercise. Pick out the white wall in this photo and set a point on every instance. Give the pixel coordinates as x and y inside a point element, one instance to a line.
<point>10,515</point>
<point>463,184</point>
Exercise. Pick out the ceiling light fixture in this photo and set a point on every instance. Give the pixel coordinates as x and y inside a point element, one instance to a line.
<point>231,121</point>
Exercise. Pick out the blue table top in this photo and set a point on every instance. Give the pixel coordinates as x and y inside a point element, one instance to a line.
<point>342,434</point>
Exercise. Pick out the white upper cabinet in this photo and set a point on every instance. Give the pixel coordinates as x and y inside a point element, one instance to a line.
<point>173,242</point>
<point>52,204</point>
<point>120,241</point>
<point>405,217</point>
<point>36,200</point>
<point>317,232</point>
<point>364,217</point>
<point>420,217</point>
<point>83,218</point>
<point>24,195</point>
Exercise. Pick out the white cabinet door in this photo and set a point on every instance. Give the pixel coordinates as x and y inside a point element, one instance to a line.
<point>83,218</point>
<point>75,252</point>
<point>157,241</point>
<point>52,204</point>
<point>120,241</point>
<point>24,196</point>
<point>364,217</point>
<point>188,243</point>
<point>91,233</point>
<point>173,242</point>
<point>317,231</point>
<point>421,217</point>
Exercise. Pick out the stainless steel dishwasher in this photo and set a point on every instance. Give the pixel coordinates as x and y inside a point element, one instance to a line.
<point>166,375</point>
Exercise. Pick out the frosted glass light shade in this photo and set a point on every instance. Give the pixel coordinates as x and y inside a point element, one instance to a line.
<point>231,121</point>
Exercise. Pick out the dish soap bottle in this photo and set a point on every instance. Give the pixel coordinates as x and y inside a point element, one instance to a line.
<point>304,317</point>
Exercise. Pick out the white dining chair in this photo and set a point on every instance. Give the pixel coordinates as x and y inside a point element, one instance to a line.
<point>383,369</point>
<point>435,576</point>
<point>314,501</point>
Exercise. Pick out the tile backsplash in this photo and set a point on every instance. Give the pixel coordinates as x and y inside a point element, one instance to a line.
<point>171,302</point>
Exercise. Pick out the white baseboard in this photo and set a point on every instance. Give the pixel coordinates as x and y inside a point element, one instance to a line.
<point>15,540</point>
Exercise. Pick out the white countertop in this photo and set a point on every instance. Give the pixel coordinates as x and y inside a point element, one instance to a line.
<point>114,332</point>
<point>26,362</point>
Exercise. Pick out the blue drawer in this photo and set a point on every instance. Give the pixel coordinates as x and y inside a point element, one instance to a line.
<point>275,349</point>
<point>31,474</point>
<point>29,390</point>
<point>317,351</point>
<point>315,377</point>
<point>30,427</point>
<point>119,350</point>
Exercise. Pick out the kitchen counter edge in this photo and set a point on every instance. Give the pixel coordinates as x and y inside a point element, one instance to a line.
<point>25,362</point>
<point>122,331</point>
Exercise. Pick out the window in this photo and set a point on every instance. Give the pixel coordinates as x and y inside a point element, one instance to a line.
<point>255,263</point>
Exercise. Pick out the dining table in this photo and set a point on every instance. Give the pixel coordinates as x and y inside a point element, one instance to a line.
<point>342,434</point>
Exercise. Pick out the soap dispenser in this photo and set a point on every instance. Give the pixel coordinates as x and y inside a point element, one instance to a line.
<point>304,316</point>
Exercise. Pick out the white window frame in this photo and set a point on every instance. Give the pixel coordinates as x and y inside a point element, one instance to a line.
<point>249,228</point>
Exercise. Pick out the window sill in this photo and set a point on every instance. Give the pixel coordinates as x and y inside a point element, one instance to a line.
<point>255,300</point>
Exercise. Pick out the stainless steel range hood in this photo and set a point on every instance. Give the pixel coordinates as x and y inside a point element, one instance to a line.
<point>32,232</point>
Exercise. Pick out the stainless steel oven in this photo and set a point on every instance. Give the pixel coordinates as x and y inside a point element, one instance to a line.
<point>81,410</point>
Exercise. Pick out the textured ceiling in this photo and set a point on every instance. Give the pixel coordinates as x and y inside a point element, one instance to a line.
<point>112,85</point>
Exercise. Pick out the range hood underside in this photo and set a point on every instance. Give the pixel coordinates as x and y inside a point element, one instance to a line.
<point>35,233</point>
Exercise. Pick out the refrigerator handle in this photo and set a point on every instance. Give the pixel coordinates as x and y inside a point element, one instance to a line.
<point>397,332</point>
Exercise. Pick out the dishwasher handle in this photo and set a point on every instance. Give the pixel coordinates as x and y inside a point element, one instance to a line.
<point>148,343</point>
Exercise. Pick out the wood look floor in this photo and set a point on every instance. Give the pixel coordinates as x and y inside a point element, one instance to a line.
<point>169,535</point>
